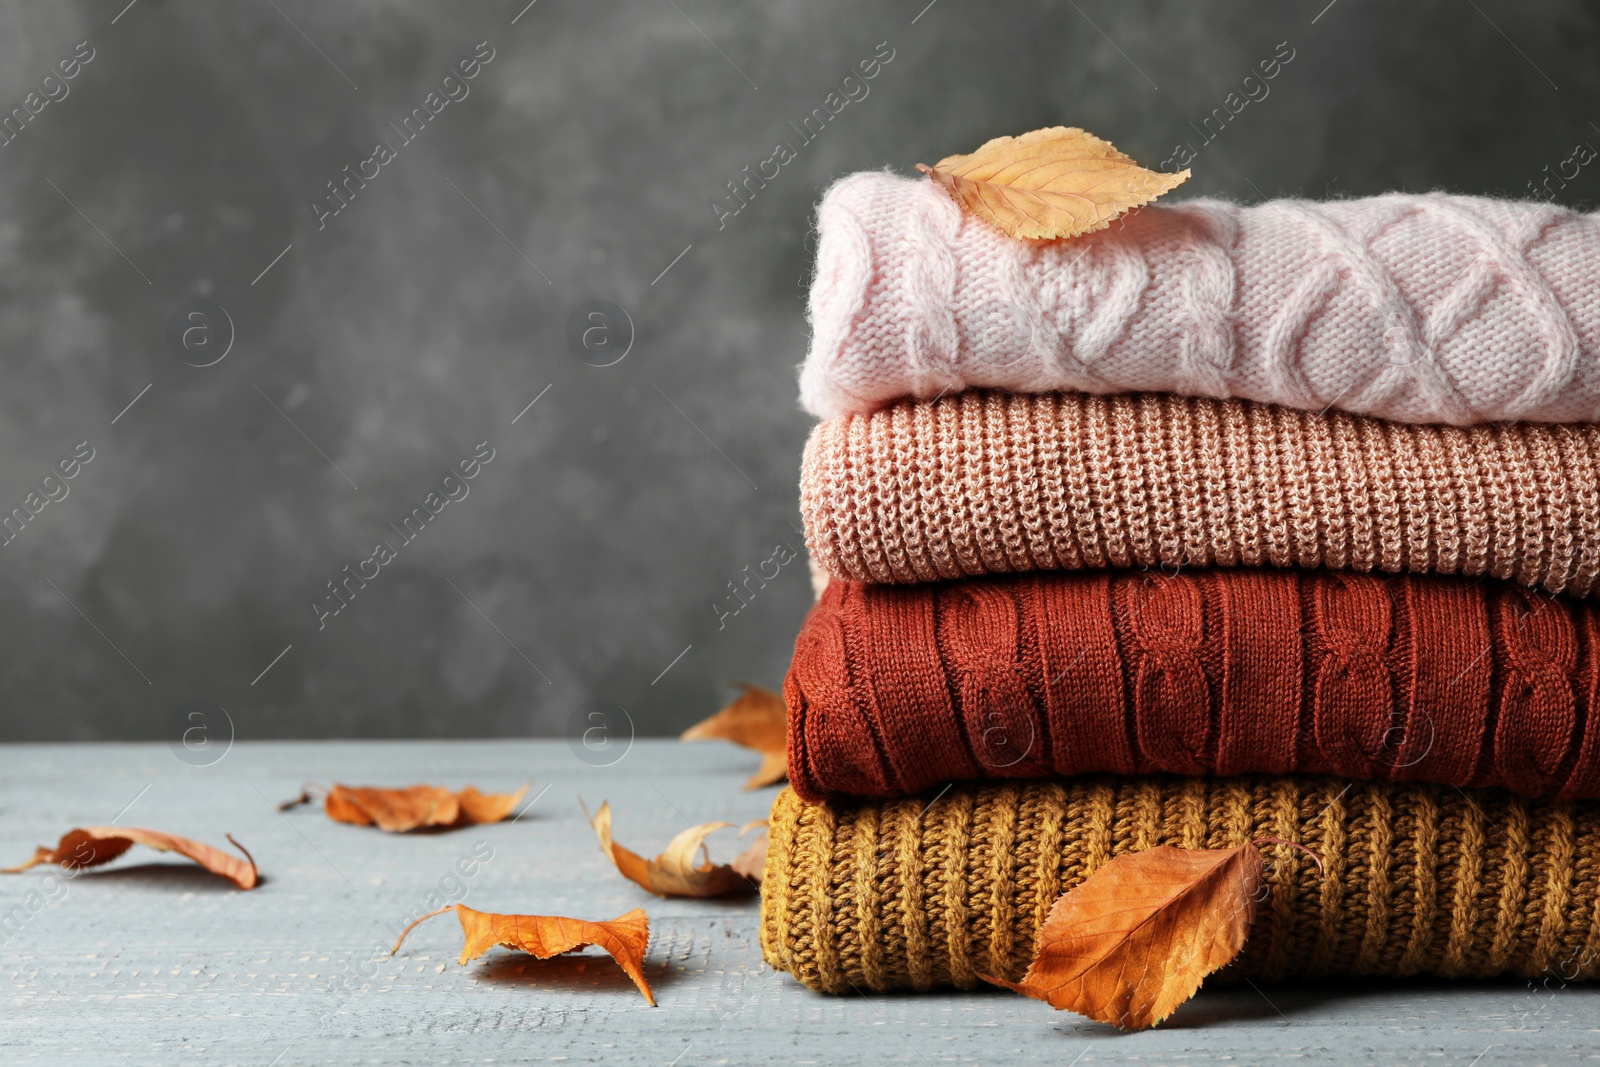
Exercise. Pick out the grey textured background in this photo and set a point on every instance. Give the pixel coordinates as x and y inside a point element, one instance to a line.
<point>590,552</point>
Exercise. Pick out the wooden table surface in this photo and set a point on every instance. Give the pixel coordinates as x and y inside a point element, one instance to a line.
<point>151,961</point>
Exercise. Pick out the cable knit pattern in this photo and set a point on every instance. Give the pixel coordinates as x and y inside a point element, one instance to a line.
<point>1430,308</point>
<point>985,483</point>
<point>897,689</point>
<point>936,890</point>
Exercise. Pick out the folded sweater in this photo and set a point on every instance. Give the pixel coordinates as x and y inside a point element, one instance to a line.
<point>1428,308</point>
<point>932,891</point>
<point>896,689</point>
<point>987,483</point>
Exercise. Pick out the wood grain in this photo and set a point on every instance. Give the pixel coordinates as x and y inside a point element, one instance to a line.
<point>153,961</point>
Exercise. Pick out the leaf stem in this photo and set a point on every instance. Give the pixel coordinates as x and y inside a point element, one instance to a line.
<point>41,855</point>
<point>303,798</point>
<point>246,852</point>
<point>413,926</point>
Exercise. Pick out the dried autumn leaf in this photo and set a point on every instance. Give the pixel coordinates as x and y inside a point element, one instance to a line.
<point>625,937</point>
<point>90,846</point>
<point>483,808</point>
<point>398,810</point>
<point>752,862</point>
<point>683,870</point>
<point>1051,183</point>
<point>1135,939</point>
<point>757,719</point>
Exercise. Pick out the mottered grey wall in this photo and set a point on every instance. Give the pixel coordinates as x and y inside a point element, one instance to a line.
<point>278,275</point>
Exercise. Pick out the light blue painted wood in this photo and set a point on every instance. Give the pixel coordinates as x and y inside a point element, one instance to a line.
<point>153,962</point>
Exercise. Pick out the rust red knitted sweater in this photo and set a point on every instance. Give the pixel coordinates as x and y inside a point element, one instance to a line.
<point>1465,682</point>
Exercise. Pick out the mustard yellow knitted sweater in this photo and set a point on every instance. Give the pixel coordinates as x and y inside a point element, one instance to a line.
<point>895,894</point>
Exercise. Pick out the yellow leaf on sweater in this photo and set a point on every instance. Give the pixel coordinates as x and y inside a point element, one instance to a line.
<point>1137,937</point>
<point>1051,183</point>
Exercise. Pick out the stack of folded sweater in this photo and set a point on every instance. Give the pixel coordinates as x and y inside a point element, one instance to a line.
<point>1220,524</point>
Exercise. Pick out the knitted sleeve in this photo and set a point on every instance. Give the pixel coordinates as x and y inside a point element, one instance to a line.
<point>1418,308</point>
<point>936,890</point>
<point>988,483</point>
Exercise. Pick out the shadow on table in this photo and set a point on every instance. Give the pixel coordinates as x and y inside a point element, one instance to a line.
<point>170,876</point>
<point>1284,1002</point>
<point>597,972</point>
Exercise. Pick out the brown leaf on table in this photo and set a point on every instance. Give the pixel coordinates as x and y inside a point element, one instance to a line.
<point>752,862</point>
<point>1135,939</point>
<point>757,719</point>
<point>682,870</point>
<point>625,937</point>
<point>1051,183</point>
<point>90,846</point>
<point>417,806</point>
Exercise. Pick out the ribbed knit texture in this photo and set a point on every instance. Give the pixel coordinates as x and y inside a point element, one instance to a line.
<point>895,689</point>
<point>990,483</point>
<point>931,891</point>
<point>1428,308</point>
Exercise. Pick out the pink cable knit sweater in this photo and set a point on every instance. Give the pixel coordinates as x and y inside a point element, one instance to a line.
<point>1427,308</point>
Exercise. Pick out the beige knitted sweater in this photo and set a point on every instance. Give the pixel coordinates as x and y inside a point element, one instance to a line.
<point>983,483</point>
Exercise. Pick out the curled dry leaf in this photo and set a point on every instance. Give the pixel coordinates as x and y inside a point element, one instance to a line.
<point>90,846</point>
<point>1051,183</point>
<point>625,937</point>
<point>757,719</point>
<point>1135,939</point>
<point>752,862</point>
<point>682,870</point>
<point>414,807</point>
